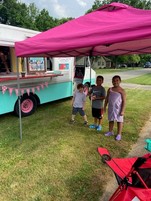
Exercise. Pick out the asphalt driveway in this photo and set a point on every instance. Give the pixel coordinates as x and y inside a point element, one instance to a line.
<point>127,75</point>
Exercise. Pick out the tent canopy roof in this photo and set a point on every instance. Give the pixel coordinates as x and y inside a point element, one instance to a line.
<point>113,29</point>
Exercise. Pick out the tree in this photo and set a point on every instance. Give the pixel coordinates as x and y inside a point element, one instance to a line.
<point>32,13</point>
<point>63,20</point>
<point>97,4</point>
<point>142,4</point>
<point>144,58</point>
<point>128,59</point>
<point>44,21</point>
<point>15,13</point>
<point>3,14</point>
<point>5,10</point>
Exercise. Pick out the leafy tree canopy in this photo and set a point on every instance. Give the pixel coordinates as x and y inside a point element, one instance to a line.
<point>13,12</point>
<point>142,4</point>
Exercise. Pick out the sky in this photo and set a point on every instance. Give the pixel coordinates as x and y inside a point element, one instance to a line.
<point>62,8</point>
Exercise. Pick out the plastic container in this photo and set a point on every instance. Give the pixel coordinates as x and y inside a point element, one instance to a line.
<point>148,145</point>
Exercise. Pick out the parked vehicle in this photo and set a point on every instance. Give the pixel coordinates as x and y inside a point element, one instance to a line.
<point>122,65</point>
<point>147,65</point>
<point>41,79</point>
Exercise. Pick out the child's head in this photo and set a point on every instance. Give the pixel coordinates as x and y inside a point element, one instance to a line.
<point>116,80</point>
<point>80,87</point>
<point>99,80</point>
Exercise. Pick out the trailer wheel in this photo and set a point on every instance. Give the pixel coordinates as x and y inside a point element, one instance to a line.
<point>28,105</point>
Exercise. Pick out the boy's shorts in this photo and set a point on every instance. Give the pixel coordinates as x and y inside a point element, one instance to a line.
<point>75,110</point>
<point>97,113</point>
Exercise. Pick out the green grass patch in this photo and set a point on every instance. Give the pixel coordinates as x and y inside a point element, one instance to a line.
<point>116,70</point>
<point>143,80</point>
<point>57,161</point>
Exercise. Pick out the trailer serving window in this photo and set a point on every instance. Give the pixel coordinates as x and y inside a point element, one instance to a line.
<point>4,59</point>
<point>36,64</point>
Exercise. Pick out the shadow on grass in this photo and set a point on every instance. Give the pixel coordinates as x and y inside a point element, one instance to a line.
<point>85,185</point>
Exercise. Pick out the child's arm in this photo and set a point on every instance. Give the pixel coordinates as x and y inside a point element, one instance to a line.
<point>90,93</point>
<point>106,100</point>
<point>72,101</point>
<point>84,101</point>
<point>103,95</point>
<point>123,102</point>
<point>73,98</point>
<point>98,98</point>
<point>84,105</point>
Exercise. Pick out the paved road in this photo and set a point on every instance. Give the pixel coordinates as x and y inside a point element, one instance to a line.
<point>127,75</point>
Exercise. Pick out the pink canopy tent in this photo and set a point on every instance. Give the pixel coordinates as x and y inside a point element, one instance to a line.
<point>113,29</point>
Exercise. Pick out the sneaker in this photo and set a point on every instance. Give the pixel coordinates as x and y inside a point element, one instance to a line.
<point>99,128</point>
<point>72,121</point>
<point>109,134</point>
<point>92,126</point>
<point>118,137</point>
<point>86,123</point>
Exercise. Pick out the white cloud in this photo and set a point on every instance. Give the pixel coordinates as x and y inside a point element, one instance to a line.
<point>63,8</point>
<point>59,9</point>
<point>81,3</point>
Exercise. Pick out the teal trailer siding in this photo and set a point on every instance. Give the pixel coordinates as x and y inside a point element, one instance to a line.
<point>7,102</point>
<point>55,92</point>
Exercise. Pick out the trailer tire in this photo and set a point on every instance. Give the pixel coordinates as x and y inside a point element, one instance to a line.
<point>28,105</point>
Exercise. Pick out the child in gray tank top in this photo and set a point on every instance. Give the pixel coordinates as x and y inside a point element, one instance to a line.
<point>97,95</point>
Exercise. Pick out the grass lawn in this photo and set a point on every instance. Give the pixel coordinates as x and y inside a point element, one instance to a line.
<point>144,80</point>
<point>116,70</point>
<point>57,161</point>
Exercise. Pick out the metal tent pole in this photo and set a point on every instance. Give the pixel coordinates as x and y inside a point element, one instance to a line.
<point>18,87</point>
